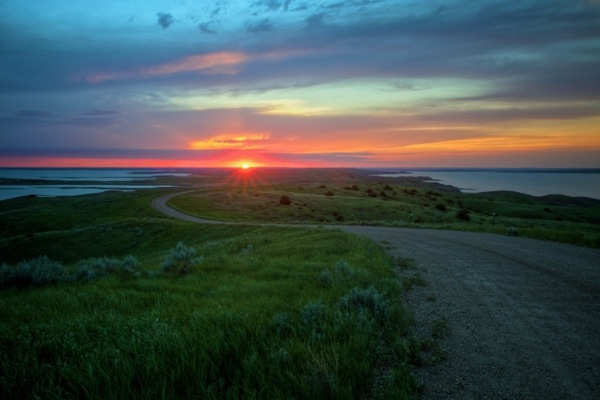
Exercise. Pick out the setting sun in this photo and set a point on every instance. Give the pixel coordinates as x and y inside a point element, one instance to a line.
<point>245,166</point>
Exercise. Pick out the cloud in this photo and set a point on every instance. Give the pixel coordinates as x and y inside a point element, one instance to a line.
<point>204,28</point>
<point>96,113</point>
<point>211,63</point>
<point>244,141</point>
<point>493,116</point>
<point>260,27</point>
<point>271,5</point>
<point>165,20</point>
<point>32,118</point>
<point>315,20</point>
<point>33,114</point>
<point>196,156</point>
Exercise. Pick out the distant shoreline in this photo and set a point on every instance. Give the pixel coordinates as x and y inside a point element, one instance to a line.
<point>572,182</point>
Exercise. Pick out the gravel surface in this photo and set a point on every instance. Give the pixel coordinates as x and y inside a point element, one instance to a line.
<point>520,317</point>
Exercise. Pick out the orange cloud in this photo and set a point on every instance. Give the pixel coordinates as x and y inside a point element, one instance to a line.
<point>224,62</point>
<point>245,141</point>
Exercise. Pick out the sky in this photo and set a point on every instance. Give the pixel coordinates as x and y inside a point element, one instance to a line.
<point>294,83</point>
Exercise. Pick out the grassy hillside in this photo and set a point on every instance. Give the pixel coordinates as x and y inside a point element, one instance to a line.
<point>368,202</point>
<point>268,313</point>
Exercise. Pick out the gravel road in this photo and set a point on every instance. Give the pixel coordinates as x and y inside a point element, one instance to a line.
<point>522,315</point>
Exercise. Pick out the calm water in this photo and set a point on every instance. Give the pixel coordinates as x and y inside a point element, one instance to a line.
<point>98,177</point>
<point>577,183</point>
<point>95,175</point>
<point>584,183</point>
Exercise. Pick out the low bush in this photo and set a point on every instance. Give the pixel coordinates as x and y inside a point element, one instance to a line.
<point>285,200</point>
<point>368,301</point>
<point>440,207</point>
<point>282,324</point>
<point>98,267</point>
<point>325,280</point>
<point>181,260</point>
<point>37,271</point>
<point>512,231</point>
<point>343,271</point>
<point>463,215</point>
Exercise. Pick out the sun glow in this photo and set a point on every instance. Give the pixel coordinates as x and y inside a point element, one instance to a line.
<point>245,166</point>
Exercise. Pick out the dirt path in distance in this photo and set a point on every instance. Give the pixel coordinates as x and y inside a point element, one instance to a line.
<point>522,315</point>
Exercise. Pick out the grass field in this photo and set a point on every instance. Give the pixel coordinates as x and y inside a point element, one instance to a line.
<point>352,200</point>
<point>269,313</point>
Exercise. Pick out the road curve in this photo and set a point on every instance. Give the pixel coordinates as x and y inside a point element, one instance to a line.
<point>161,205</point>
<point>522,315</point>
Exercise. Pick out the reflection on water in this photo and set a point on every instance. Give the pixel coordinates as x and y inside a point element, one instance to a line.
<point>535,182</point>
<point>96,175</point>
<point>12,191</point>
<point>72,176</point>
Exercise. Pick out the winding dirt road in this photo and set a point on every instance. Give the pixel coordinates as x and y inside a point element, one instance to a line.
<point>521,317</point>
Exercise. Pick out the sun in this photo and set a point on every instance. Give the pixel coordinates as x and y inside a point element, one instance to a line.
<point>245,166</point>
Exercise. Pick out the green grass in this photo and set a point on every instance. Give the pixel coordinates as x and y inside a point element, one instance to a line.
<point>556,218</point>
<point>271,312</point>
<point>253,320</point>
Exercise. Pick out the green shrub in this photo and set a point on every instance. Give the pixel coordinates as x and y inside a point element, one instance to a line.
<point>130,265</point>
<point>440,207</point>
<point>285,200</point>
<point>94,268</point>
<point>282,324</point>
<point>368,301</point>
<point>313,314</point>
<point>512,231</point>
<point>463,215</point>
<point>343,271</point>
<point>37,271</point>
<point>181,260</point>
<point>325,280</point>
<point>43,271</point>
<point>98,267</point>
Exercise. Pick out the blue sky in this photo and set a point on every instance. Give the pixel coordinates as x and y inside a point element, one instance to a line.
<point>300,83</point>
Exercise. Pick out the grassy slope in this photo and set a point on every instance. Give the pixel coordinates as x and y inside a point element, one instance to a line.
<point>558,218</point>
<point>266,315</point>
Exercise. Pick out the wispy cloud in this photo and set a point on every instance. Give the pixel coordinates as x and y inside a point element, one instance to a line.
<point>205,28</point>
<point>260,27</point>
<point>244,141</point>
<point>209,64</point>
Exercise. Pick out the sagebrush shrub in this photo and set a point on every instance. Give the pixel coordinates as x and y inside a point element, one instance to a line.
<point>181,260</point>
<point>343,271</point>
<point>282,324</point>
<point>43,270</point>
<point>313,314</point>
<point>94,268</point>
<point>129,265</point>
<point>325,280</point>
<point>367,300</point>
<point>37,271</point>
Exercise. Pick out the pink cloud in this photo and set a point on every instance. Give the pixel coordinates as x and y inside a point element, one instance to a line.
<point>224,62</point>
